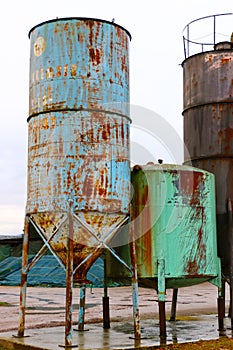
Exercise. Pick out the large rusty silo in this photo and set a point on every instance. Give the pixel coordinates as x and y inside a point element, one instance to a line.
<point>78,130</point>
<point>208,123</point>
<point>78,123</point>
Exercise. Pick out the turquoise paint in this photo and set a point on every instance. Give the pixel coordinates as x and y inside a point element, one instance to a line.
<point>180,207</point>
<point>79,64</point>
<point>79,121</point>
<point>173,217</point>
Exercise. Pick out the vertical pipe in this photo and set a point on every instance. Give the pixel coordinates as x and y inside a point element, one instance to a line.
<point>24,273</point>
<point>69,280</point>
<point>136,315</point>
<point>106,314</point>
<point>82,308</point>
<point>174,303</point>
<point>223,294</point>
<point>214,30</point>
<point>162,319</point>
<point>161,297</point>
<point>221,314</point>
<point>188,38</point>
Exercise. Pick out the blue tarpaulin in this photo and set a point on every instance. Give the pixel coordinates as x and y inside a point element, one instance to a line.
<point>46,272</point>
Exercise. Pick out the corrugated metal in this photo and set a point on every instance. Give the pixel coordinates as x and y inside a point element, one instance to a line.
<point>78,146</point>
<point>208,128</point>
<point>173,217</point>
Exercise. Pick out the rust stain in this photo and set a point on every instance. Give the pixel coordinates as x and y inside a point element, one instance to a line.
<point>90,24</point>
<point>95,55</point>
<point>192,268</point>
<point>123,64</point>
<point>88,183</point>
<point>65,70</point>
<point>229,133</point>
<point>73,70</point>
<point>45,123</point>
<point>80,37</point>
<point>66,26</point>
<point>225,60</point>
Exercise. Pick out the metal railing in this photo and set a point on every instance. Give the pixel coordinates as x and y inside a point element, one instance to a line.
<point>193,45</point>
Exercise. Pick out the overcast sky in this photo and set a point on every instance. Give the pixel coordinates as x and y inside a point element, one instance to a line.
<point>156,54</point>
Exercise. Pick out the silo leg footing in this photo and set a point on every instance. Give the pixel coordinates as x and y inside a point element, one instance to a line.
<point>221,314</point>
<point>135,300</point>
<point>162,319</point>
<point>105,300</point>
<point>174,303</point>
<point>106,318</point>
<point>67,346</point>
<point>223,294</point>
<point>82,308</point>
<point>231,305</point>
<point>69,280</point>
<point>136,315</point>
<point>23,283</point>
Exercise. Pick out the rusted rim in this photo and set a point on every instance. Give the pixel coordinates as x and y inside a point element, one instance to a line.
<point>79,19</point>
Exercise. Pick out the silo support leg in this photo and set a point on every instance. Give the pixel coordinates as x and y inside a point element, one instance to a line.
<point>24,274</point>
<point>82,308</point>
<point>136,314</point>
<point>162,319</point>
<point>223,294</point>
<point>161,297</point>
<point>221,313</point>
<point>106,313</point>
<point>69,281</point>
<point>174,303</point>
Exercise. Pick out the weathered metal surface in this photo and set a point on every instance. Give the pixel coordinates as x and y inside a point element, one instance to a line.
<point>79,63</point>
<point>208,128</point>
<point>78,155</point>
<point>78,145</point>
<point>174,220</point>
<point>207,78</point>
<point>179,202</point>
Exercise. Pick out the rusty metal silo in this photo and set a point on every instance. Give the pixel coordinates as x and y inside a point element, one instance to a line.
<point>78,129</point>
<point>208,122</point>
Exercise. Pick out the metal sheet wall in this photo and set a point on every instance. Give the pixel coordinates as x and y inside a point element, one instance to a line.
<point>208,128</point>
<point>173,218</point>
<point>79,122</point>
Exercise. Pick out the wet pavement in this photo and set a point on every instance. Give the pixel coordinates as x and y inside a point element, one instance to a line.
<point>196,318</point>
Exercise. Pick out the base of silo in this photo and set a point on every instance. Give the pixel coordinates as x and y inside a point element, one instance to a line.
<point>196,319</point>
<point>119,336</point>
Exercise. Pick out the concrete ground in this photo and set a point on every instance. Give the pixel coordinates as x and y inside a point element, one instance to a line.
<point>45,316</point>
